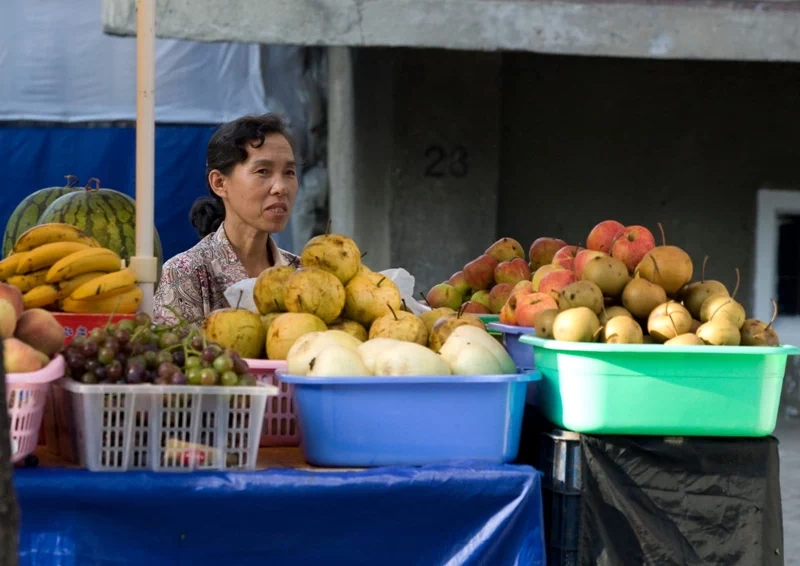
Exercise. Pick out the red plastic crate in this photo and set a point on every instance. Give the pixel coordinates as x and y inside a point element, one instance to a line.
<point>280,422</point>
<point>82,324</point>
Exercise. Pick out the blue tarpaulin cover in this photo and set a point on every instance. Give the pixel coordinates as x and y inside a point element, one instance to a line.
<point>462,514</point>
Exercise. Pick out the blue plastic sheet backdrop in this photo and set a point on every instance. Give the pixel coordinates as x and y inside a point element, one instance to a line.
<point>434,515</point>
<point>35,157</point>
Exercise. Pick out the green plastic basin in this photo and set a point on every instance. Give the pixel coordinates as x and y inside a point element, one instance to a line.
<point>658,390</point>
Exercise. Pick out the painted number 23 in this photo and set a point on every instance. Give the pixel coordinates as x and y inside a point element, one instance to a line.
<point>441,163</point>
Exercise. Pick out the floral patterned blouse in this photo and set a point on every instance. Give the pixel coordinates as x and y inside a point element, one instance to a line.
<point>194,282</point>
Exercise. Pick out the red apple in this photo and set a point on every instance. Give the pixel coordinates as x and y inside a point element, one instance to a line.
<point>556,280</point>
<point>542,251</point>
<point>512,271</point>
<point>506,249</point>
<point>479,273</point>
<point>583,258</point>
<point>602,236</point>
<point>499,295</point>
<point>474,308</point>
<point>540,273</point>
<point>459,282</point>
<point>631,244</point>
<point>481,297</point>
<point>507,315</point>
<point>529,306</point>
<point>565,257</point>
<point>522,287</point>
<point>13,296</point>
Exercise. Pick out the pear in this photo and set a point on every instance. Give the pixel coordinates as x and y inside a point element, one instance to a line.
<point>430,317</point>
<point>641,296</point>
<point>669,267</point>
<point>238,329</point>
<point>353,328</point>
<point>544,323</point>
<point>581,294</point>
<point>409,358</point>
<point>687,339</point>
<point>306,348</point>
<point>466,335</point>
<point>668,320</point>
<point>269,291</point>
<point>314,291</point>
<point>267,319</point>
<point>400,326</point>
<point>444,327</point>
<point>758,333</point>
<point>608,273</point>
<point>721,307</point>
<point>334,253</point>
<point>695,325</point>
<point>694,294</point>
<point>469,359</point>
<point>622,330</point>
<point>576,325</point>
<point>611,312</point>
<point>286,329</point>
<point>367,297</point>
<point>337,361</point>
<point>370,350</point>
<point>719,332</point>
<point>8,320</point>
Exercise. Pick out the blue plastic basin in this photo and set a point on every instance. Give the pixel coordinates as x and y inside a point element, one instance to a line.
<point>408,420</point>
<point>522,354</point>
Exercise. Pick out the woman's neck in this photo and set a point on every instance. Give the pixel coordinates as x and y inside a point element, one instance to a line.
<point>250,246</point>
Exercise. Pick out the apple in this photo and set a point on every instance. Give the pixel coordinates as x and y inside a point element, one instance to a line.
<point>474,307</point>
<point>481,297</point>
<point>556,280</point>
<point>541,272</point>
<point>443,295</point>
<point>459,282</point>
<point>479,273</point>
<point>512,271</point>
<point>565,257</point>
<point>507,315</point>
<point>602,236</point>
<point>499,294</point>
<point>529,306</point>
<point>522,287</point>
<point>542,251</point>
<point>506,249</point>
<point>582,258</point>
<point>631,244</point>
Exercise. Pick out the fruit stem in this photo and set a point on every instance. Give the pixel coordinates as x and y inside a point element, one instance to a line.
<point>113,312</point>
<point>72,180</point>
<point>381,281</point>
<point>736,289</point>
<point>672,320</point>
<point>278,306</point>
<point>710,318</point>
<point>363,254</point>
<point>663,237</point>
<point>328,227</point>
<point>239,300</point>
<point>655,264</point>
<point>405,306</point>
<point>598,331</point>
<point>96,184</point>
<point>703,272</point>
<point>774,312</point>
<point>394,314</point>
<point>461,310</point>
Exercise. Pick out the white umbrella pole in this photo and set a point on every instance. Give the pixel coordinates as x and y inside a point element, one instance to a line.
<point>144,264</point>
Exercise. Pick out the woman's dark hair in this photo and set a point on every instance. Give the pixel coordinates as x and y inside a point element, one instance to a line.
<point>226,148</point>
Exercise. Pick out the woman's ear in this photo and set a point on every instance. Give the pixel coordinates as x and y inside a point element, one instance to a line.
<point>216,181</point>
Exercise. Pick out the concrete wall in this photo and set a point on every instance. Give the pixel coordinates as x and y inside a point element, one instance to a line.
<point>684,143</point>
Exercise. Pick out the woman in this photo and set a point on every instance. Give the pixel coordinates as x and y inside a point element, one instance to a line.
<point>251,172</point>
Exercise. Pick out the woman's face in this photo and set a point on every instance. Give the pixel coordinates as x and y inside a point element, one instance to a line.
<point>261,190</point>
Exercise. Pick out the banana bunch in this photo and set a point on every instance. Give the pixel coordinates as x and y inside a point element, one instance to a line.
<point>59,267</point>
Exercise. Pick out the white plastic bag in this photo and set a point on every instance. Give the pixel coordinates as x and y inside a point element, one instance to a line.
<point>402,278</point>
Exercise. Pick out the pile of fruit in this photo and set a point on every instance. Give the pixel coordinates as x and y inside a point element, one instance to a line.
<point>59,267</point>
<point>624,289</point>
<point>485,283</point>
<point>138,351</point>
<point>30,338</point>
<point>332,290</point>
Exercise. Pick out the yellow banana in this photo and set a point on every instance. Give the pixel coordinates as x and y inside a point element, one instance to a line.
<point>68,286</point>
<point>84,261</point>
<point>52,233</point>
<point>46,255</point>
<point>109,284</point>
<point>40,296</point>
<point>8,266</point>
<point>27,282</point>
<point>123,303</point>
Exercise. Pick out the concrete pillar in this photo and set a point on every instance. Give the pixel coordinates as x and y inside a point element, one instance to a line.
<point>414,152</point>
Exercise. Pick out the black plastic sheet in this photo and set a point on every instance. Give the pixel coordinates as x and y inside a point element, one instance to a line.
<point>680,501</point>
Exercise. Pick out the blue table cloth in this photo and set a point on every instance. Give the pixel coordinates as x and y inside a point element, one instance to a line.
<point>461,514</point>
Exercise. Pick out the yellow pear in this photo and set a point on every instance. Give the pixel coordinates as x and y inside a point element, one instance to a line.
<point>430,317</point>
<point>409,358</point>
<point>400,325</point>
<point>314,291</point>
<point>286,329</point>
<point>465,337</point>
<point>238,329</point>
<point>447,324</point>
<point>338,361</point>
<point>269,290</point>
<point>369,296</point>
<point>353,328</point>
<point>370,350</point>
<point>333,253</point>
<point>300,357</point>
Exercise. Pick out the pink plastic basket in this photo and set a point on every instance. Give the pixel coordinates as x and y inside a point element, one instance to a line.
<point>26,397</point>
<point>280,424</point>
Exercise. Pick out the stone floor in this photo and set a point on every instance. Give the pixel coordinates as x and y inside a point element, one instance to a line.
<point>789,436</point>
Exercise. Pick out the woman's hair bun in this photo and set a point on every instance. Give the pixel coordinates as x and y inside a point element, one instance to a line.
<point>207,215</point>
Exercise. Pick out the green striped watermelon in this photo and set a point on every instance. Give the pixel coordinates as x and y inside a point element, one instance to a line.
<point>27,213</point>
<point>107,215</point>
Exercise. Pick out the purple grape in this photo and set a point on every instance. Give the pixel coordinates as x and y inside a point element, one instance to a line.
<point>167,370</point>
<point>210,354</point>
<point>143,319</point>
<point>121,357</point>
<point>114,370</point>
<point>97,335</point>
<point>122,336</point>
<point>151,359</point>
<point>101,373</point>
<point>134,375</point>
<point>179,358</point>
<point>106,355</point>
<point>111,344</point>
<point>240,366</point>
<point>197,343</point>
<point>89,349</point>
<point>92,365</point>
<point>178,379</point>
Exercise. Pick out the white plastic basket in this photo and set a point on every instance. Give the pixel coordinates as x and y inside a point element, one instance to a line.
<point>165,428</point>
